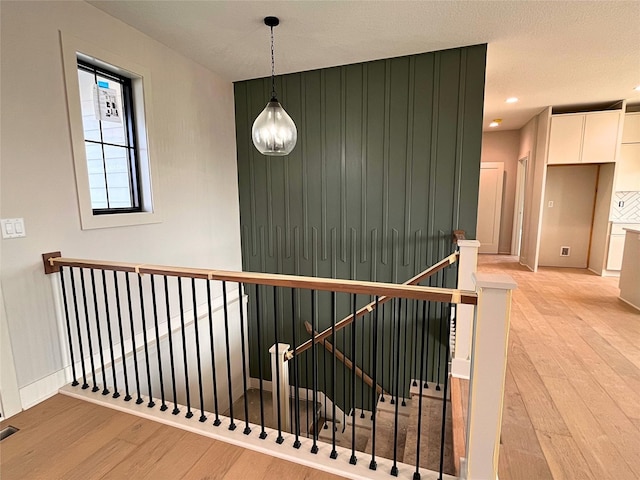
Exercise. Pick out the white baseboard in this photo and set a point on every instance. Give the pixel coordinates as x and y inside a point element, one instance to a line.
<point>460,368</point>
<point>629,303</point>
<point>42,389</point>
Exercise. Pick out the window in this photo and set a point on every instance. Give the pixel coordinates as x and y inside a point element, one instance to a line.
<point>109,139</point>
<point>111,123</point>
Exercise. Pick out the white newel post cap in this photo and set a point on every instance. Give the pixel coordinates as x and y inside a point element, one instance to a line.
<point>282,348</point>
<point>496,281</point>
<point>469,243</point>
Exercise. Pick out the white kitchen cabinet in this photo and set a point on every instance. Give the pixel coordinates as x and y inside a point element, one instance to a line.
<point>628,168</point>
<point>616,248</point>
<point>600,137</point>
<point>584,138</point>
<point>631,129</point>
<point>565,141</point>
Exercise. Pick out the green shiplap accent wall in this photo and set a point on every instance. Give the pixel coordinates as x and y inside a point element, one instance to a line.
<point>386,167</point>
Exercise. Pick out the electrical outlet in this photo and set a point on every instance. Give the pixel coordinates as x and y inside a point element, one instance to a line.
<point>565,251</point>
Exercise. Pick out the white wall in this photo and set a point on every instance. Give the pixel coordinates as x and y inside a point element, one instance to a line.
<point>534,143</point>
<point>194,153</point>
<point>572,189</point>
<point>504,147</point>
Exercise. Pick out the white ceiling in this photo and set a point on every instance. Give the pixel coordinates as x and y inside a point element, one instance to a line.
<point>544,53</point>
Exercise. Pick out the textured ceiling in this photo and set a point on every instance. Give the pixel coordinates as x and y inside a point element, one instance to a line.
<point>544,53</point>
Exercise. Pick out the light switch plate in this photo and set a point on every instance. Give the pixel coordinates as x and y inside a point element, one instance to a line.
<point>13,228</point>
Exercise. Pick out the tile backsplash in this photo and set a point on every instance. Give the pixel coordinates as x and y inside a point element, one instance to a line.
<point>626,207</point>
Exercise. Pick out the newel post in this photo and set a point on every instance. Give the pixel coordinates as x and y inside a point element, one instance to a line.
<point>278,352</point>
<point>468,265</point>
<point>488,368</point>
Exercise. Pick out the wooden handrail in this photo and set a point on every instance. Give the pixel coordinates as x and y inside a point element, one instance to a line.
<point>378,289</point>
<point>445,262</point>
<point>347,362</point>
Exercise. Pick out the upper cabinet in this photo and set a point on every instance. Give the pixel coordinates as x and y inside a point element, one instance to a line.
<point>584,137</point>
<point>631,131</point>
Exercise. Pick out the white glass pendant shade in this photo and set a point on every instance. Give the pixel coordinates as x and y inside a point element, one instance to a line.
<point>273,131</point>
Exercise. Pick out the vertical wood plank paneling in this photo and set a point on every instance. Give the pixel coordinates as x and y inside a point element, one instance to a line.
<point>387,165</point>
<point>363,164</point>
<point>409,161</point>
<point>323,178</point>
<point>386,155</point>
<point>343,165</point>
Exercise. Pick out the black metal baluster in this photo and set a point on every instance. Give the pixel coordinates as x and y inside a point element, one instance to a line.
<point>74,383</point>
<point>334,453</point>
<point>247,429</point>
<point>353,460</point>
<point>85,385</point>
<point>405,356</point>
<point>232,425</point>
<point>277,345</point>
<point>105,390</point>
<point>314,368</point>
<point>344,382</point>
<point>373,465</point>
<point>324,380</point>
<point>296,393</point>
<point>394,468</point>
<point>133,338</point>
<point>127,394</point>
<point>90,341</point>
<point>382,337</point>
<point>439,346</point>
<point>175,410</point>
<point>361,365</point>
<point>116,394</point>
<point>414,344</point>
<point>163,405</point>
<point>189,413</point>
<point>444,403</point>
<point>203,417</point>
<point>263,433</point>
<point>217,421</point>
<point>423,359</point>
<point>392,349</point>
<point>151,403</point>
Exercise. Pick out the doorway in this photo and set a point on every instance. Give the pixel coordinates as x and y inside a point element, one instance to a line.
<point>490,206</point>
<point>518,211</point>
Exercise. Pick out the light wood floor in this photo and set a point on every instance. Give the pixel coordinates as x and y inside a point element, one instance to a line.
<point>572,402</point>
<point>73,439</point>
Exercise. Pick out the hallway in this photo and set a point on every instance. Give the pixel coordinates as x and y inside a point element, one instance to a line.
<point>572,408</point>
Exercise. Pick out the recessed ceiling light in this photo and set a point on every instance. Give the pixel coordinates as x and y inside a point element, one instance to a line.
<point>495,123</point>
<point>512,99</point>
<point>637,89</point>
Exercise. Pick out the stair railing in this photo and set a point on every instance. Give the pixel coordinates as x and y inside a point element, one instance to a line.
<point>177,341</point>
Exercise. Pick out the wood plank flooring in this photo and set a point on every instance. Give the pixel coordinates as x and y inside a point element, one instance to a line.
<point>572,399</point>
<point>66,438</point>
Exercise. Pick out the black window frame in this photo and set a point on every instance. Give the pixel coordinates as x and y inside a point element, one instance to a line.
<point>131,145</point>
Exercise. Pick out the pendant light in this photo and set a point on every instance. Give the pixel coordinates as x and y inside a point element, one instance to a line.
<point>273,131</point>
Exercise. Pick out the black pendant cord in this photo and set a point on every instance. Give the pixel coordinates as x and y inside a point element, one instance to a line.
<point>273,71</point>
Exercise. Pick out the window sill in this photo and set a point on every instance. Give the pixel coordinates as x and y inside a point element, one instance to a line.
<point>90,222</point>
